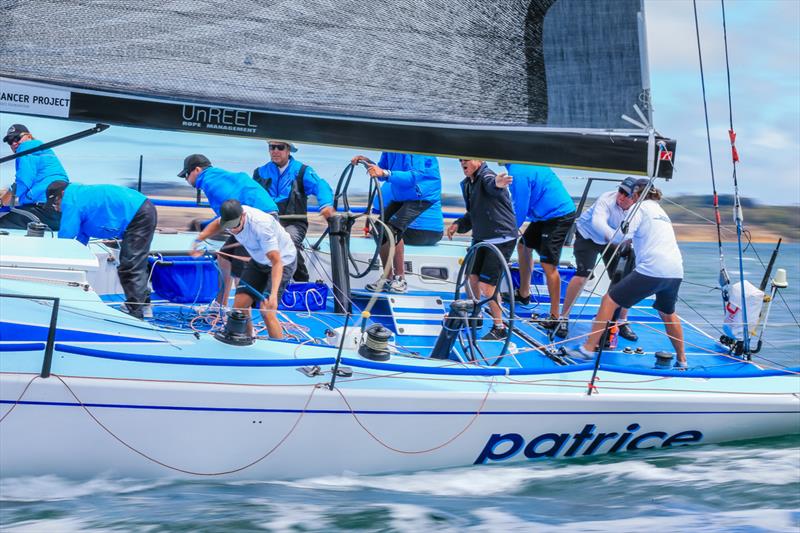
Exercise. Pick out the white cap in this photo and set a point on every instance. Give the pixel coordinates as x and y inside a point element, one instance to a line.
<point>292,147</point>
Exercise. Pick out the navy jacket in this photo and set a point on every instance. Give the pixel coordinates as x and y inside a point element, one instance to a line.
<point>490,213</point>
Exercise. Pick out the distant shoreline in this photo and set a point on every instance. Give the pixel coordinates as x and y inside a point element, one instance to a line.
<point>180,218</point>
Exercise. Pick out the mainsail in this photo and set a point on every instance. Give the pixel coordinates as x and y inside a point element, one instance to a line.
<point>540,81</point>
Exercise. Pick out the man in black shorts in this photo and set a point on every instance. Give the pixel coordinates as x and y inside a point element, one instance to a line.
<point>416,186</point>
<point>486,194</point>
<point>594,230</point>
<point>273,259</point>
<point>541,199</point>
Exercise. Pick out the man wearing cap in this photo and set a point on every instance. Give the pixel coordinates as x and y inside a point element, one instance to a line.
<point>659,272</point>
<point>273,259</point>
<point>34,172</point>
<point>595,229</point>
<point>290,182</point>
<point>220,185</point>
<point>540,197</point>
<point>111,212</point>
<point>416,187</point>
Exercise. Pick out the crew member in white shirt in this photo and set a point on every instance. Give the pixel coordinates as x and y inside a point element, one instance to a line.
<point>595,228</point>
<point>273,259</point>
<point>659,272</point>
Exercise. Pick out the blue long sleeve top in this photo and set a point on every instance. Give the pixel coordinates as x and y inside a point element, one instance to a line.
<point>430,220</point>
<point>220,185</point>
<point>97,211</point>
<point>35,172</point>
<point>538,194</point>
<point>281,184</point>
<point>414,177</point>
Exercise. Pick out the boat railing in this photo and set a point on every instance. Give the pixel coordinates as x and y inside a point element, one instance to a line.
<point>47,362</point>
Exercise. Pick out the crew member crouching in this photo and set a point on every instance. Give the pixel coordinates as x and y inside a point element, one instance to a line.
<point>273,259</point>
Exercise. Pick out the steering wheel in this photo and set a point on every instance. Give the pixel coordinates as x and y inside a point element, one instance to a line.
<point>462,281</point>
<point>376,230</point>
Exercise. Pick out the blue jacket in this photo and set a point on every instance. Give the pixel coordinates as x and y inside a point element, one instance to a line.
<point>281,184</point>
<point>97,211</point>
<point>35,172</point>
<point>538,194</point>
<point>414,177</point>
<point>430,220</point>
<point>220,185</point>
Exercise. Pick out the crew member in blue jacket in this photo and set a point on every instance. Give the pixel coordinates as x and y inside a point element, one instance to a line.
<point>111,212</point>
<point>416,186</point>
<point>34,173</point>
<point>219,186</point>
<point>290,182</point>
<point>425,230</point>
<point>541,199</point>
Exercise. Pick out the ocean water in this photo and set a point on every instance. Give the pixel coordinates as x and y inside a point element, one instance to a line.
<point>743,486</point>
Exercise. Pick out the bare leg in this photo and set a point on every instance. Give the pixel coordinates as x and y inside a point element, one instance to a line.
<point>574,288</point>
<point>553,286</point>
<point>494,306</point>
<point>227,281</point>
<point>385,255</point>
<point>623,315</point>
<point>604,314</point>
<point>270,317</point>
<point>672,324</point>
<point>474,287</point>
<point>399,259</point>
<point>525,269</point>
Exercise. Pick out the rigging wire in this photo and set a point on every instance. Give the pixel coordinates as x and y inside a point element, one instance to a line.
<point>737,205</point>
<point>724,279</point>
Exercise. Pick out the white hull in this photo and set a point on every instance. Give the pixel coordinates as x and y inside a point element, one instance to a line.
<point>166,429</point>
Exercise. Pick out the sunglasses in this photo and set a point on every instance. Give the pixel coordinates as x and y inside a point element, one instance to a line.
<point>13,140</point>
<point>278,147</point>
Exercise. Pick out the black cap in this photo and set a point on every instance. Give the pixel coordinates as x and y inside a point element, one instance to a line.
<point>193,161</point>
<point>14,130</point>
<point>54,191</point>
<point>229,214</point>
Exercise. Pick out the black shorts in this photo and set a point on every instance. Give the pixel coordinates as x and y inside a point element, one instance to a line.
<point>547,237</point>
<point>635,287</point>
<point>487,265</point>
<point>586,252</point>
<point>257,280</point>
<point>421,237</point>
<point>232,247</point>
<point>400,215</point>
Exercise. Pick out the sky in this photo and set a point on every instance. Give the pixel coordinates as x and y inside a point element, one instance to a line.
<point>764,48</point>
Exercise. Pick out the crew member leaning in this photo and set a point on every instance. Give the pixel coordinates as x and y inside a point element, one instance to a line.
<point>34,172</point>
<point>595,229</point>
<point>659,272</point>
<point>220,185</point>
<point>540,197</point>
<point>490,217</point>
<point>416,187</point>
<point>111,212</point>
<point>290,182</point>
<point>273,259</point>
